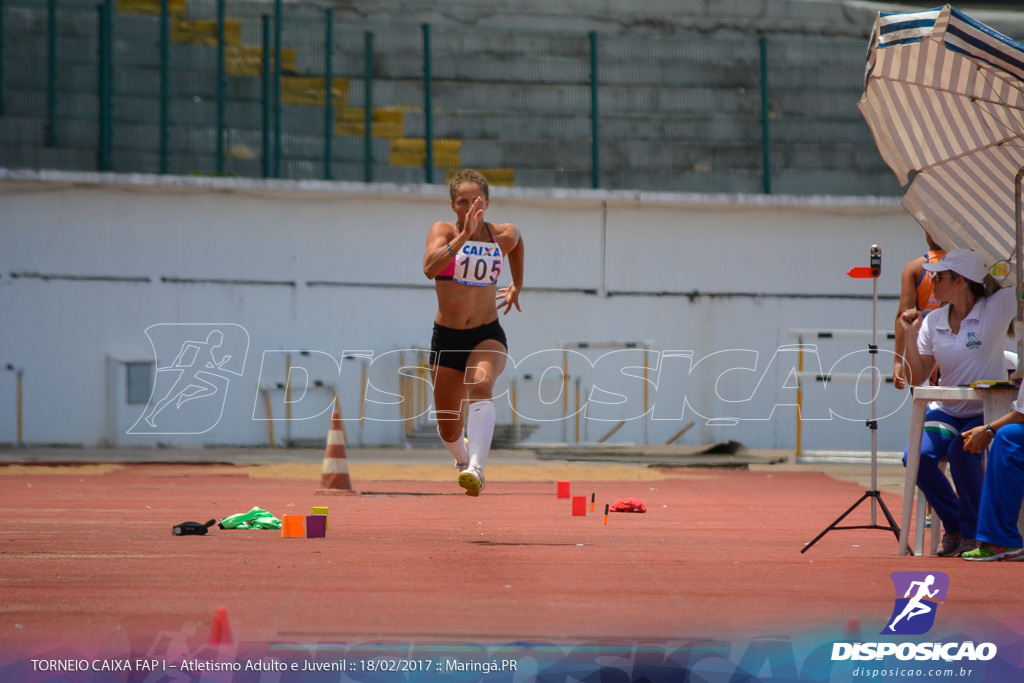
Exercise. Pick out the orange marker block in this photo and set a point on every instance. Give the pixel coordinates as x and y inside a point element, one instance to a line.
<point>563,489</point>
<point>579,506</point>
<point>592,501</point>
<point>606,513</point>
<point>293,526</point>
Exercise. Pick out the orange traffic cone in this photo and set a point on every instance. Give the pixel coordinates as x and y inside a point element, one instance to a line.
<point>334,475</point>
<point>853,629</point>
<point>220,632</point>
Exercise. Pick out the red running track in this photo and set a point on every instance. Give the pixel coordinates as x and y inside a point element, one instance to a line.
<point>89,560</point>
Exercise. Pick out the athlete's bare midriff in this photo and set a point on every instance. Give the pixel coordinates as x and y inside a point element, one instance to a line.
<point>463,307</point>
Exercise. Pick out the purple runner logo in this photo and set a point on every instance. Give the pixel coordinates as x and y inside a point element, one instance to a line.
<point>918,595</point>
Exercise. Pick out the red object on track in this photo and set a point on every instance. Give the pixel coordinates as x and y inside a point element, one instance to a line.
<point>220,632</point>
<point>628,505</point>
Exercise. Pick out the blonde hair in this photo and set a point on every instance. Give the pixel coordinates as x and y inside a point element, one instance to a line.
<point>986,288</point>
<point>466,176</point>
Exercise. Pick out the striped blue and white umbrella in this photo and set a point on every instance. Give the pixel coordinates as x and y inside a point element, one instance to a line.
<point>944,98</point>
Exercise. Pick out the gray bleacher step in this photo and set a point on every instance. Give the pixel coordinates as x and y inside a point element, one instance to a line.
<point>506,435</point>
<point>22,131</point>
<point>36,157</point>
<point>882,183</point>
<point>742,181</point>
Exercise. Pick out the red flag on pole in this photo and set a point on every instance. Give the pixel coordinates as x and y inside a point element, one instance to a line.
<point>861,272</point>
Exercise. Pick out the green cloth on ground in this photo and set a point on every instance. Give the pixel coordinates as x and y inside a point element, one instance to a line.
<point>253,519</point>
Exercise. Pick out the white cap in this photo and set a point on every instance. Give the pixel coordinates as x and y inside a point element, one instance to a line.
<point>964,262</point>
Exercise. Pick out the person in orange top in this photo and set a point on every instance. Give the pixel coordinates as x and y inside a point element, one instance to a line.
<point>915,293</point>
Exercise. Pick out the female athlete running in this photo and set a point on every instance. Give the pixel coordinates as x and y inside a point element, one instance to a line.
<point>465,257</point>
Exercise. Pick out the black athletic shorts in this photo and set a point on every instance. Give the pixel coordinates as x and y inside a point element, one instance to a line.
<point>451,348</point>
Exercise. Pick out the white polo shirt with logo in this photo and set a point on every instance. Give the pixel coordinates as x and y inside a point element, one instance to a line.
<point>975,353</point>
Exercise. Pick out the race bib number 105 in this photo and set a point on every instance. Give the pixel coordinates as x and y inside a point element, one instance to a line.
<point>478,263</point>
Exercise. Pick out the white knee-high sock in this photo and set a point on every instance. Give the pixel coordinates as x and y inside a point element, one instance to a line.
<point>480,429</point>
<point>457,448</point>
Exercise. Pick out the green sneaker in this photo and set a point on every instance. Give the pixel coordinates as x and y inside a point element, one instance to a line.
<point>987,552</point>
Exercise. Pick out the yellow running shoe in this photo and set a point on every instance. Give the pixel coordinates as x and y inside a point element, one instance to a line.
<point>472,479</point>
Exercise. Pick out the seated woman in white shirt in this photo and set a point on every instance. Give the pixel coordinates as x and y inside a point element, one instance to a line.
<point>966,338</point>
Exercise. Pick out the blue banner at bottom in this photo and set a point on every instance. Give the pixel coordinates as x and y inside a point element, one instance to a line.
<point>990,652</point>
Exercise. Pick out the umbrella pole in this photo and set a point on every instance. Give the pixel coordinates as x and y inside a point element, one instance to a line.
<point>1020,267</point>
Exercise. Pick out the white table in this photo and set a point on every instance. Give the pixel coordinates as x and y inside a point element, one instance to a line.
<point>995,403</point>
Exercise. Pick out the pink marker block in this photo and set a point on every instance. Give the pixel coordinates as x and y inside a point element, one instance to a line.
<point>579,506</point>
<point>563,489</point>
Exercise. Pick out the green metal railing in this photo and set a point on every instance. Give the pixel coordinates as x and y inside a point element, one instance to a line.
<point>766,138</point>
<point>231,87</point>
<point>276,89</point>
<point>165,65</point>
<point>221,86</point>
<point>51,72</point>
<point>367,106</point>
<point>268,88</point>
<point>329,95</point>
<point>105,71</point>
<point>2,102</point>
<point>428,107</point>
<point>595,119</point>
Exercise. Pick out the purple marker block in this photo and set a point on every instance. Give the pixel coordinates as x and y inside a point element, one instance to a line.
<point>316,526</point>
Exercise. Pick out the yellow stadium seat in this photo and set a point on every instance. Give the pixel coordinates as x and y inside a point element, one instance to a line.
<point>387,122</point>
<point>150,6</point>
<point>247,60</point>
<point>413,152</point>
<point>309,91</point>
<point>204,31</point>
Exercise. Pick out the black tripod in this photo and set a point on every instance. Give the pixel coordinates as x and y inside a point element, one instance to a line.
<point>874,495</point>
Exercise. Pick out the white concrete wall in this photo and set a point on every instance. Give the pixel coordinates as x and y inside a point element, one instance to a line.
<point>88,262</point>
